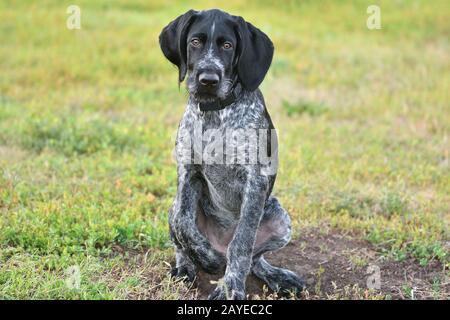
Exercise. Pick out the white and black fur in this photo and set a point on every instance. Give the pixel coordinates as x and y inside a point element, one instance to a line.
<point>223,217</point>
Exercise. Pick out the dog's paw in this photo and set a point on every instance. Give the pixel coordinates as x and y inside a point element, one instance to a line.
<point>291,284</point>
<point>286,283</point>
<point>185,272</point>
<point>229,288</point>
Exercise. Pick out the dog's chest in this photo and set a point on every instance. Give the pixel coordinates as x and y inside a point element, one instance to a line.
<point>208,137</point>
<point>225,182</point>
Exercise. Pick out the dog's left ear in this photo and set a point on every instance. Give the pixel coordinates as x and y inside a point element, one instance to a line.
<point>255,54</point>
<point>172,41</point>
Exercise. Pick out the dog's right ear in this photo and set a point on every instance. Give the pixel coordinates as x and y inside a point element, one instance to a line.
<point>172,41</point>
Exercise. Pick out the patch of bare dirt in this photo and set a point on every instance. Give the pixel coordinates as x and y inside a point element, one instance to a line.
<point>335,266</point>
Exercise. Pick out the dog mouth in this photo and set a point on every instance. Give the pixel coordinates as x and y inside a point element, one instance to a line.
<point>202,94</point>
<point>206,96</point>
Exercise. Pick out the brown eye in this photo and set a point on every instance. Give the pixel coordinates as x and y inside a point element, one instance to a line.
<point>227,45</point>
<point>195,42</point>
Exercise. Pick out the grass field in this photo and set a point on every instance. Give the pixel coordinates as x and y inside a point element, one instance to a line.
<point>87,125</point>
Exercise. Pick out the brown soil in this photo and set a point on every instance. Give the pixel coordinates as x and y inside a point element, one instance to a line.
<point>335,266</point>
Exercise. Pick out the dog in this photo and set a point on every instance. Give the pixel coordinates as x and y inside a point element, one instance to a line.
<point>224,218</point>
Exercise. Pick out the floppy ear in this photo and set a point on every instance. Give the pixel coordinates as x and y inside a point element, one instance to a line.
<point>172,41</point>
<point>255,54</point>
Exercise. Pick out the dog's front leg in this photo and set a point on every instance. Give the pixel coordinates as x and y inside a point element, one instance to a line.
<point>240,249</point>
<point>183,224</point>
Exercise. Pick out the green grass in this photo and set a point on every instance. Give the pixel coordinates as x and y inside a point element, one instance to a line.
<point>88,117</point>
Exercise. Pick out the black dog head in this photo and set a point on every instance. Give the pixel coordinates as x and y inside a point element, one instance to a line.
<point>216,49</point>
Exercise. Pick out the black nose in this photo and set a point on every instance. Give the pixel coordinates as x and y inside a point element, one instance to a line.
<point>208,79</point>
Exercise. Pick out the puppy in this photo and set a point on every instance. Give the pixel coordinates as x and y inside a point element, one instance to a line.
<point>224,217</point>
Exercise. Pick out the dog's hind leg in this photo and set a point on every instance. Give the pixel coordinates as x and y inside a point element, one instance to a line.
<point>278,279</point>
<point>274,233</point>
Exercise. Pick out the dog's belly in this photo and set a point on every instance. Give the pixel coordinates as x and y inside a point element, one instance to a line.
<point>219,207</point>
<point>219,226</point>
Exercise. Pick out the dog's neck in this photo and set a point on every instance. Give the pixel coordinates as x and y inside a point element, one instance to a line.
<point>219,104</point>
